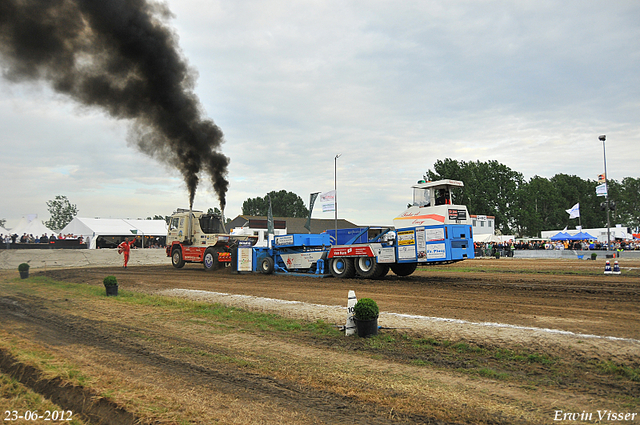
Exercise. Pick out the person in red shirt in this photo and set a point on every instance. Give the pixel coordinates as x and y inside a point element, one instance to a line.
<point>125,248</point>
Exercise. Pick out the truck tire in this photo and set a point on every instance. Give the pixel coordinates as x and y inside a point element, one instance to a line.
<point>368,267</point>
<point>384,269</point>
<point>176,259</point>
<point>210,260</point>
<point>267,265</point>
<point>342,268</point>
<point>404,269</point>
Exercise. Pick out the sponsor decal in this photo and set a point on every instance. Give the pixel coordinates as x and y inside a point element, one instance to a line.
<point>284,240</point>
<point>457,215</point>
<point>436,250</point>
<point>420,244</point>
<point>351,251</point>
<point>435,234</point>
<point>407,252</point>
<point>245,259</point>
<point>406,237</point>
<point>303,260</point>
<point>420,219</point>
<point>386,255</point>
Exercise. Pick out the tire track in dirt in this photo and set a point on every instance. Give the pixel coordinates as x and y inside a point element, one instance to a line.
<point>145,346</point>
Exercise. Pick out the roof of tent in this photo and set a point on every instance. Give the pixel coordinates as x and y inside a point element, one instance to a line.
<point>561,236</point>
<point>487,238</point>
<point>34,227</point>
<point>583,236</point>
<point>115,227</point>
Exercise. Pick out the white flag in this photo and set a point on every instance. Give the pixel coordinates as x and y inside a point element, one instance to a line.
<point>328,201</point>
<point>601,190</point>
<point>574,212</point>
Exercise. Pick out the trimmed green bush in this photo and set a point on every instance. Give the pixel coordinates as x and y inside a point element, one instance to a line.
<point>366,309</point>
<point>24,267</point>
<point>110,281</point>
<point>594,256</point>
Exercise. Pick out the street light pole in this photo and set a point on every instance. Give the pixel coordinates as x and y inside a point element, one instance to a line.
<point>335,192</point>
<point>606,185</point>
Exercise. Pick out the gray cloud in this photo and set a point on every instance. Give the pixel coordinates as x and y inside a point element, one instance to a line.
<point>393,87</point>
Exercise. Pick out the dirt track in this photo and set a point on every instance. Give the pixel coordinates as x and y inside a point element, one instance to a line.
<point>600,314</point>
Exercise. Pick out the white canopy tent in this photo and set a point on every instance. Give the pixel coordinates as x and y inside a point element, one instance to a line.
<point>92,228</point>
<point>33,227</point>
<point>488,238</point>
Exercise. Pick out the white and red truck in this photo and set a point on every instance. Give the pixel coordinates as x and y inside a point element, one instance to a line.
<point>196,237</point>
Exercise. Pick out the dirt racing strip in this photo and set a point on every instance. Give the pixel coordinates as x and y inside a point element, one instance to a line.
<point>421,324</point>
<point>121,339</point>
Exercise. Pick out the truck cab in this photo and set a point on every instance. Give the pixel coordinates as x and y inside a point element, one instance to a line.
<point>196,237</point>
<point>433,205</point>
<point>433,229</point>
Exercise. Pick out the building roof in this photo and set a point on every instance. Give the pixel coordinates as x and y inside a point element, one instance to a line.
<point>293,224</point>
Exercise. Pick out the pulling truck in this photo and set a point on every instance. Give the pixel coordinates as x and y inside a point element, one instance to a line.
<point>432,230</point>
<point>196,237</point>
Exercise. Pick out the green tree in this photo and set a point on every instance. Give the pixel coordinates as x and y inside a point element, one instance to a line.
<point>537,207</point>
<point>61,211</point>
<point>490,188</point>
<point>283,204</point>
<point>628,205</point>
<point>573,190</point>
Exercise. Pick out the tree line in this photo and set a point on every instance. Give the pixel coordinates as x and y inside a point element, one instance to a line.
<point>521,207</point>
<point>527,207</point>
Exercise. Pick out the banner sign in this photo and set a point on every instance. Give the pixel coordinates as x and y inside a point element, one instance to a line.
<point>601,190</point>
<point>328,201</point>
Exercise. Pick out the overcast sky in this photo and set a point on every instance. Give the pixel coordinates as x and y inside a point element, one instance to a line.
<point>391,86</point>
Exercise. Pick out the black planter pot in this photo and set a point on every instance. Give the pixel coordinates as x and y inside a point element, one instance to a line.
<point>24,274</point>
<point>112,290</point>
<point>366,328</point>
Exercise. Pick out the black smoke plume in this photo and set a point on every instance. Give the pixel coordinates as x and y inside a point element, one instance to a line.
<point>118,55</point>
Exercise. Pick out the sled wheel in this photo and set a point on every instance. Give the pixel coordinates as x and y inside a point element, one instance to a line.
<point>342,268</point>
<point>176,259</point>
<point>267,265</point>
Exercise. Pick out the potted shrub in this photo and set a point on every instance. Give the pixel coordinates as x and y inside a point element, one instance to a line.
<point>24,270</point>
<point>111,285</point>
<point>594,256</point>
<point>365,314</point>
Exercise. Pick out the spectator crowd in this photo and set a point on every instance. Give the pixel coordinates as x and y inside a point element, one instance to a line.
<point>507,248</point>
<point>13,238</point>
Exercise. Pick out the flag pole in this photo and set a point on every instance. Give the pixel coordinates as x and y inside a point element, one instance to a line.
<point>335,197</point>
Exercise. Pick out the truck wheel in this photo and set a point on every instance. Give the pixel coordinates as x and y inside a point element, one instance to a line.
<point>267,265</point>
<point>404,269</point>
<point>176,259</point>
<point>342,268</point>
<point>210,260</point>
<point>367,267</point>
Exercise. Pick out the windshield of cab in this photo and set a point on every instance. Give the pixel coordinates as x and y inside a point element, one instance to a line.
<point>421,197</point>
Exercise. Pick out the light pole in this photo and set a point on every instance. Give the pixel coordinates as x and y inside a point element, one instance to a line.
<point>335,193</point>
<point>606,195</point>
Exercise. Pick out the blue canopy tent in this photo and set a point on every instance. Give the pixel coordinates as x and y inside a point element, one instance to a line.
<point>562,236</point>
<point>581,236</point>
